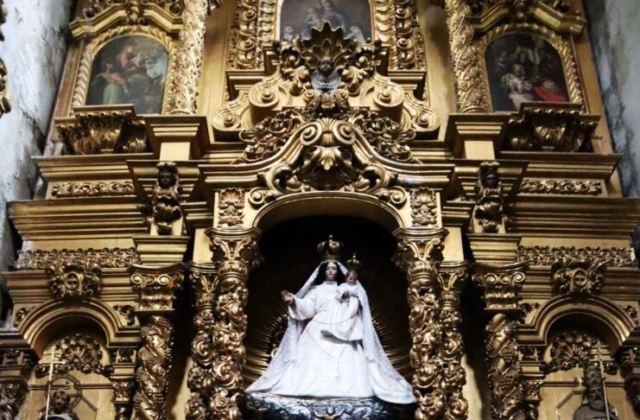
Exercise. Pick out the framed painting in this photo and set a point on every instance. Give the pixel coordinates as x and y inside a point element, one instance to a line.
<point>297,17</point>
<point>524,67</point>
<point>129,69</point>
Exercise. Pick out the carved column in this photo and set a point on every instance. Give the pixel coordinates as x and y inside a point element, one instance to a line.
<point>501,287</point>
<point>217,351</point>
<point>12,395</point>
<point>629,361</point>
<point>156,287</point>
<point>434,322</point>
<point>122,393</point>
<point>15,367</point>
<point>187,65</point>
<point>464,58</point>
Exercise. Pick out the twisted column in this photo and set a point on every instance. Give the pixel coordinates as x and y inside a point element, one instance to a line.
<point>470,90</point>
<point>215,380</point>
<point>501,287</point>
<point>156,287</point>
<point>122,393</point>
<point>13,392</point>
<point>434,321</point>
<point>186,66</point>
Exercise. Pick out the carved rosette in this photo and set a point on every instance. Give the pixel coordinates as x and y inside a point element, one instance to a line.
<point>186,66</point>
<point>470,91</point>
<point>96,130</point>
<point>501,288</point>
<point>156,286</point>
<point>80,352</point>
<point>74,279</point>
<point>420,255</point>
<point>154,362</point>
<point>571,349</point>
<point>578,277</point>
<point>215,380</point>
<point>489,211</point>
<point>12,394</point>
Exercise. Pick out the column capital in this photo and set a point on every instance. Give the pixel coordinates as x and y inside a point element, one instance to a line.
<point>156,287</point>
<point>502,285</point>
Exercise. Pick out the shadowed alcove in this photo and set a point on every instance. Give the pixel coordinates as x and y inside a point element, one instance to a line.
<point>290,255</point>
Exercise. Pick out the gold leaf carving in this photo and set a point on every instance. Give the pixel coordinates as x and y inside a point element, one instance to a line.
<point>74,279</point>
<point>545,255</point>
<point>91,189</point>
<point>105,258</point>
<point>565,187</point>
<point>79,352</point>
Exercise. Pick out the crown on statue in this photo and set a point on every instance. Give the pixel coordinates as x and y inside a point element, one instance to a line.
<point>353,264</point>
<point>330,250</point>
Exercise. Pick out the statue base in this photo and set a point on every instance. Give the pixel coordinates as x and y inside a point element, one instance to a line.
<point>259,406</point>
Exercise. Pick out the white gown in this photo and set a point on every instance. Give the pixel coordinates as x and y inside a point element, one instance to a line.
<point>328,358</point>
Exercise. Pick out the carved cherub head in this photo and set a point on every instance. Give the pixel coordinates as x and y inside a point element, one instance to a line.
<point>326,66</point>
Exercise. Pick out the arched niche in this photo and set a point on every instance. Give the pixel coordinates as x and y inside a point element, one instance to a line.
<point>297,17</point>
<point>129,69</point>
<point>290,256</point>
<point>524,67</point>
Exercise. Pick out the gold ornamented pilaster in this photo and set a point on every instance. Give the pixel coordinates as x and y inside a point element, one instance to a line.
<point>12,395</point>
<point>419,254</point>
<point>471,94</point>
<point>501,287</point>
<point>218,353</point>
<point>122,394</point>
<point>187,64</point>
<point>156,287</point>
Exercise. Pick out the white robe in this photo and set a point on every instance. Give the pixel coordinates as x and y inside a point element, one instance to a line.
<point>329,359</point>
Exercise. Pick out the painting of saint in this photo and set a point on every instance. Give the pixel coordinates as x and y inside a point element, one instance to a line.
<point>524,68</point>
<point>129,70</point>
<point>353,16</point>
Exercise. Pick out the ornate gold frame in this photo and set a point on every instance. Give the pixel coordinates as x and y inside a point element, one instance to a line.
<point>563,46</point>
<point>91,50</point>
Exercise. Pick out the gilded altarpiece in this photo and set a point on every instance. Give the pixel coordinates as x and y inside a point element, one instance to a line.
<point>203,150</point>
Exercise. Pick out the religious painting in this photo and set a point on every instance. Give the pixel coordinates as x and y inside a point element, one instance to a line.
<point>130,69</point>
<point>297,17</point>
<point>524,68</point>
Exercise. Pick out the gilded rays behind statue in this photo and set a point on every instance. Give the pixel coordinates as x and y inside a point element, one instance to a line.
<point>298,17</point>
<point>130,69</point>
<point>522,68</point>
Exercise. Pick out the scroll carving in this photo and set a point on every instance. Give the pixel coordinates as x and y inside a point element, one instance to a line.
<point>166,198</point>
<point>92,189</point>
<point>156,287</point>
<point>501,288</point>
<point>215,380</point>
<point>74,279</point>
<point>12,396</point>
<point>231,207</point>
<point>111,130</point>
<point>154,359</point>
<point>551,128</point>
<point>408,48</point>
<point>578,277</point>
<point>105,258</point>
<point>470,90</point>
<point>424,207</point>
<point>186,66</point>
<point>489,203</point>
<point>79,352</point>
<point>564,187</point>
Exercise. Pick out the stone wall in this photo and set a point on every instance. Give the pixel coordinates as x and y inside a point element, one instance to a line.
<point>36,35</point>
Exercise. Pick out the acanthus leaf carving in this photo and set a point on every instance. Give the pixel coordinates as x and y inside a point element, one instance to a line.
<point>105,258</point>
<point>424,207</point>
<point>545,255</point>
<point>109,130</point>
<point>74,279</point>
<point>564,187</point>
<point>578,277</point>
<point>231,207</point>
<point>156,286</point>
<point>92,189</point>
<point>501,286</point>
<point>79,352</point>
<point>571,349</point>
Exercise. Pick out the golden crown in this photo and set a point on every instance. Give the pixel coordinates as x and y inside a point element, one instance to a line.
<point>353,264</point>
<point>330,250</point>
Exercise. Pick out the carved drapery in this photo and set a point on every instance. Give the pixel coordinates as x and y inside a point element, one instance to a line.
<point>215,380</point>
<point>187,64</point>
<point>156,287</point>
<point>470,91</point>
<point>434,321</point>
<point>501,287</point>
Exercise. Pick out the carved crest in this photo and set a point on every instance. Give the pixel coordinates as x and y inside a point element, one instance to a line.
<point>578,277</point>
<point>74,279</point>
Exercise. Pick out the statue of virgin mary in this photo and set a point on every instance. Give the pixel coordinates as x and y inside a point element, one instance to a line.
<point>330,348</point>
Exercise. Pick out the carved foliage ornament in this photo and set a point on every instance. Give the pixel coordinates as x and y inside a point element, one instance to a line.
<point>91,131</point>
<point>5,104</point>
<point>519,7</point>
<point>578,277</point>
<point>105,258</point>
<point>231,207</point>
<point>572,349</point>
<point>132,7</point>
<point>564,187</point>
<point>424,207</point>
<point>92,189</point>
<point>74,279</point>
<point>12,395</point>
<point>545,255</point>
<point>79,352</point>
<point>166,198</point>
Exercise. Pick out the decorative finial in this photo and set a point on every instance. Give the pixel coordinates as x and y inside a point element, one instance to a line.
<point>330,250</point>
